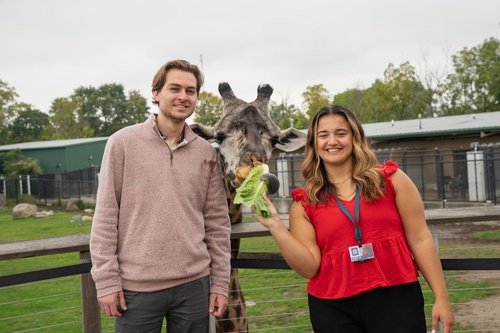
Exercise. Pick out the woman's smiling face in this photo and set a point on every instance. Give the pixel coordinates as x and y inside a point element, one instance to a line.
<point>334,139</point>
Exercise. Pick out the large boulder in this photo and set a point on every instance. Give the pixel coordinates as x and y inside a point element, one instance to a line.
<point>24,210</point>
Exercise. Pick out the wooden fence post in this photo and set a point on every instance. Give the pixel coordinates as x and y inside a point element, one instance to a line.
<point>91,315</point>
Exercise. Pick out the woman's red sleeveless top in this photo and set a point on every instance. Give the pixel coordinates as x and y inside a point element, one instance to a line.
<point>380,225</point>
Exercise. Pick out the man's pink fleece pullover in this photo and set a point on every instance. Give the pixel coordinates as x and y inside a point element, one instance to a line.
<point>161,216</point>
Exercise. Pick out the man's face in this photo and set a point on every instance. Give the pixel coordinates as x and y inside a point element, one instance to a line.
<point>177,99</point>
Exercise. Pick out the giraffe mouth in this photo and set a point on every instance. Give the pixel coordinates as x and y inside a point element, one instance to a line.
<point>242,173</point>
<point>273,182</point>
<point>243,170</point>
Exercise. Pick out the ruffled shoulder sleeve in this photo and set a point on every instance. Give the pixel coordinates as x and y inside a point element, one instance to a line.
<point>388,168</point>
<point>299,194</point>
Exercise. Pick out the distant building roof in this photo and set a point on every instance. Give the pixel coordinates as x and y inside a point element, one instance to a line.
<point>437,126</point>
<point>50,144</point>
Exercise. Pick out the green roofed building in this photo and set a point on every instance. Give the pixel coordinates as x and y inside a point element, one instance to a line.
<point>61,156</point>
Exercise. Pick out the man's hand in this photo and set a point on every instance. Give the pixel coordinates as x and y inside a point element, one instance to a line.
<point>218,304</point>
<point>108,304</point>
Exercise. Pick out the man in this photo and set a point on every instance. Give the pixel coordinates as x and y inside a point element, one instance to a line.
<point>160,236</point>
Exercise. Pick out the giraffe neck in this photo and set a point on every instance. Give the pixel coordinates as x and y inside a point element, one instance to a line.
<point>235,210</point>
<point>235,317</point>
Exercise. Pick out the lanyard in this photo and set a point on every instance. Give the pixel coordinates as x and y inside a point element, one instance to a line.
<point>357,228</point>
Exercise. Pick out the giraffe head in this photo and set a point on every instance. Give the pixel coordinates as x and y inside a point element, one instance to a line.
<point>246,134</point>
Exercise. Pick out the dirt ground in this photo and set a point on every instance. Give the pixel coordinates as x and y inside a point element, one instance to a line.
<point>483,315</point>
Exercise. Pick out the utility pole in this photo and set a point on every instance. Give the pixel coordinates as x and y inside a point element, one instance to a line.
<point>201,66</point>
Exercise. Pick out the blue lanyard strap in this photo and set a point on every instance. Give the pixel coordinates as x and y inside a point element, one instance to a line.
<point>357,228</point>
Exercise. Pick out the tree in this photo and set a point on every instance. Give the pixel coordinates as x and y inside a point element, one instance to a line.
<point>107,109</point>
<point>432,78</point>
<point>112,104</point>
<point>67,120</point>
<point>406,94</point>
<point>287,115</point>
<point>8,97</point>
<point>13,163</point>
<point>24,167</point>
<point>87,100</point>
<point>475,84</point>
<point>29,125</point>
<point>376,104</point>
<point>137,109</point>
<point>209,109</point>
<point>315,97</point>
<point>353,100</point>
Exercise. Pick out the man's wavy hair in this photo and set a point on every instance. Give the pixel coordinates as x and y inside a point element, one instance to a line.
<point>365,173</point>
<point>183,65</point>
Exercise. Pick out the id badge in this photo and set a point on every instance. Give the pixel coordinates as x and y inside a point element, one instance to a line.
<point>361,253</point>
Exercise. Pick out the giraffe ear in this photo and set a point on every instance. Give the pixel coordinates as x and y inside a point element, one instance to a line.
<point>291,139</point>
<point>205,132</point>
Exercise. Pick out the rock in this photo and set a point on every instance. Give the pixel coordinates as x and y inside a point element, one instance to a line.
<point>24,210</point>
<point>71,207</point>
<point>88,211</point>
<point>44,213</point>
<point>86,218</point>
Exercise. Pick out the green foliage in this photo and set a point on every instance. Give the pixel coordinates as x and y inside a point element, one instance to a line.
<point>66,118</point>
<point>29,125</point>
<point>29,199</point>
<point>8,97</point>
<point>405,94</point>
<point>251,190</point>
<point>7,157</point>
<point>23,167</point>
<point>84,204</point>
<point>353,99</point>
<point>315,97</point>
<point>208,109</point>
<point>475,84</point>
<point>287,116</point>
<point>96,112</point>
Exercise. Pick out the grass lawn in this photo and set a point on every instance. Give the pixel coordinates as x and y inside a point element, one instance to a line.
<point>277,300</point>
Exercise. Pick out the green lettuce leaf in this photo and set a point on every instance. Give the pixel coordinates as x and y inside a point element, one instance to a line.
<point>250,192</point>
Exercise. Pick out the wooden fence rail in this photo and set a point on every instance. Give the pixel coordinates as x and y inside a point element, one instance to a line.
<point>80,243</point>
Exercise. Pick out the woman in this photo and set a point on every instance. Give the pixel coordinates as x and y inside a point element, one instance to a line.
<point>358,232</point>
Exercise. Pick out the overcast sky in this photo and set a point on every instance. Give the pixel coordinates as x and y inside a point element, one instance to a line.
<point>50,47</point>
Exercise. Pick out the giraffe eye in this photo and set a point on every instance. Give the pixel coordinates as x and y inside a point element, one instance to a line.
<point>219,138</point>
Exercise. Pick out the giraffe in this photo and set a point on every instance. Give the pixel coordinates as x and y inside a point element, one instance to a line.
<point>246,137</point>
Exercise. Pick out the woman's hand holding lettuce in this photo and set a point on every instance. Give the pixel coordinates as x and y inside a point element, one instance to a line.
<point>250,192</point>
